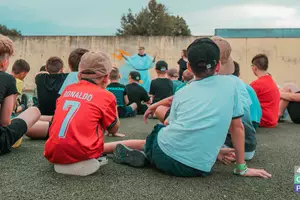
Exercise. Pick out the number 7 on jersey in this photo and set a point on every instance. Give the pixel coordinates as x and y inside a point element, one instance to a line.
<point>73,107</point>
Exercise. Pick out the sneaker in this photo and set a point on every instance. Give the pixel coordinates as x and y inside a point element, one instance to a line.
<point>131,157</point>
<point>103,160</point>
<point>83,168</point>
<point>281,119</point>
<point>17,144</point>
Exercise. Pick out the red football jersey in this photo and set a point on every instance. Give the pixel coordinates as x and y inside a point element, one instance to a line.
<point>269,97</point>
<point>83,112</point>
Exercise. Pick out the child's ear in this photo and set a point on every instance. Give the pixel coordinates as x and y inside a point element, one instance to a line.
<point>105,79</point>
<point>5,63</point>
<point>218,67</point>
<point>189,67</point>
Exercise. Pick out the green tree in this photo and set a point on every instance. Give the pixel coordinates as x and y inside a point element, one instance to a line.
<point>9,32</point>
<point>153,20</point>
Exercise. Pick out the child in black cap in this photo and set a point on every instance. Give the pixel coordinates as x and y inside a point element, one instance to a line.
<point>136,93</point>
<point>161,87</point>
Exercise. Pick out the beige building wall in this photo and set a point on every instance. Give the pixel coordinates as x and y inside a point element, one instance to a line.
<point>282,52</point>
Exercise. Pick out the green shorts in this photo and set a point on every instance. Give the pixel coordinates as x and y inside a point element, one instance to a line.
<point>164,162</point>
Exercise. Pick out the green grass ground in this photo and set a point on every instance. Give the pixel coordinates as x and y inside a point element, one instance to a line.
<point>26,174</point>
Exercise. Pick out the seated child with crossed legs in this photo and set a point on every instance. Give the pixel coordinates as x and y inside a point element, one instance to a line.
<point>120,92</point>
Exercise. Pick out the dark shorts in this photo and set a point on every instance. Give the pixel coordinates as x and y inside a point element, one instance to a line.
<point>164,162</point>
<point>50,123</point>
<point>142,109</point>
<point>294,111</point>
<point>126,111</point>
<point>11,134</point>
<point>167,114</point>
<point>255,125</point>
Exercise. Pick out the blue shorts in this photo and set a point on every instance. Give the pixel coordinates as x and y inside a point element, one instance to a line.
<point>164,162</point>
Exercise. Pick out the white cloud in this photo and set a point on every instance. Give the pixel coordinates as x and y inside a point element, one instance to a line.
<point>203,22</point>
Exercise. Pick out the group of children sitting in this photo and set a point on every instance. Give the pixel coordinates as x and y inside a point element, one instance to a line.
<point>211,115</point>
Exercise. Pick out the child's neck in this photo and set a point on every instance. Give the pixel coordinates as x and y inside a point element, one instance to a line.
<point>161,76</point>
<point>261,73</point>
<point>114,81</point>
<point>16,76</point>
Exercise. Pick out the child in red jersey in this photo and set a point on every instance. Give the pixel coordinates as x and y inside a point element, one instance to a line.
<point>83,112</point>
<point>266,90</point>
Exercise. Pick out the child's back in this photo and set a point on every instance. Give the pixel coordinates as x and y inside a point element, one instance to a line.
<point>49,84</point>
<point>161,87</point>
<point>204,118</point>
<point>119,90</point>
<point>137,94</point>
<point>255,108</point>
<point>79,110</point>
<point>266,90</point>
<point>269,97</point>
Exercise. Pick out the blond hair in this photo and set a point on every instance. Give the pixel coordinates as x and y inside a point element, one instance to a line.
<point>6,46</point>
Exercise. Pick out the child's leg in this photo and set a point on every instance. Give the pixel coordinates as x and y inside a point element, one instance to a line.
<point>12,133</point>
<point>30,116</point>
<point>46,118</point>
<point>161,112</point>
<point>134,144</point>
<point>283,104</point>
<point>39,130</point>
<point>133,106</point>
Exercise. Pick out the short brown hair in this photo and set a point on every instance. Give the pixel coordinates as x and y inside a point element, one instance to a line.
<point>187,75</point>
<point>261,61</point>
<point>184,51</point>
<point>75,57</point>
<point>20,66</point>
<point>6,46</point>
<point>54,65</point>
<point>114,74</point>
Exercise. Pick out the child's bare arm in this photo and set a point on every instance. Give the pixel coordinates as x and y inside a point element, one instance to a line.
<point>114,129</point>
<point>6,109</point>
<point>126,100</point>
<point>164,102</point>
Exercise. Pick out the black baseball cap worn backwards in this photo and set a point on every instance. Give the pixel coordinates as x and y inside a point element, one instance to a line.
<point>161,66</point>
<point>135,75</point>
<point>203,50</point>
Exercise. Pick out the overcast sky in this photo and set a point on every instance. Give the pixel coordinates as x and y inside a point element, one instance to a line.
<point>102,17</point>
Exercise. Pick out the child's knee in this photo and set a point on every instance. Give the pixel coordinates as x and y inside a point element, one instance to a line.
<point>159,110</point>
<point>34,111</point>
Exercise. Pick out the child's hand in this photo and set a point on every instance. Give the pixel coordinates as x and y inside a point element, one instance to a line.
<point>148,112</point>
<point>115,135</point>
<point>257,173</point>
<point>226,156</point>
<point>166,122</point>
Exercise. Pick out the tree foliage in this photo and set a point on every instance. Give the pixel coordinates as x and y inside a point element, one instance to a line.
<point>153,20</point>
<point>9,32</point>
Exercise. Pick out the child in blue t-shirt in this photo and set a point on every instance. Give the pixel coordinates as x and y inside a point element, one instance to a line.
<point>73,60</point>
<point>255,108</point>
